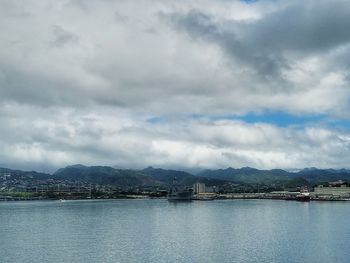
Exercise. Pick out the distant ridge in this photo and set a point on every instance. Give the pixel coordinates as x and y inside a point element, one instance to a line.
<point>252,175</point>
<point>21,173</point>
<point>105,175</point>
<point>182,177</point>
<point>162,177</point>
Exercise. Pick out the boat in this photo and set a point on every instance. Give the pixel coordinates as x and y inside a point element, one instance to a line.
<point>304,196</point>
<point>177,193</point>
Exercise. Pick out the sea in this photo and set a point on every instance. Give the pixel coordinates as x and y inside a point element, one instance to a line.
<point>155,230</point>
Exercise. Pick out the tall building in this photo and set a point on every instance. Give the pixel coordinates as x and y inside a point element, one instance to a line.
<point>199,188</point>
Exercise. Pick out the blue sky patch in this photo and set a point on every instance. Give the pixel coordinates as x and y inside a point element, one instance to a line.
<point>277,118</point>
<point>281,119</point>
<point>249,1</point>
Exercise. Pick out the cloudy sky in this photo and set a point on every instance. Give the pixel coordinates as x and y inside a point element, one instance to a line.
<point>174,84</point>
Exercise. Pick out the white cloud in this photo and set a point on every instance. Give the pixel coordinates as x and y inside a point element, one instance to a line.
<point>102,136</point>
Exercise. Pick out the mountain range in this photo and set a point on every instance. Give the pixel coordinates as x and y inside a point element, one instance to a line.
<point>162,177</point>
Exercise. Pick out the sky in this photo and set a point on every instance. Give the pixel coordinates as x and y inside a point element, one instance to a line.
<point>175,84</point>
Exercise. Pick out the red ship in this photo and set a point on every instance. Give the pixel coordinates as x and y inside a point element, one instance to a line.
<point>304,196</point>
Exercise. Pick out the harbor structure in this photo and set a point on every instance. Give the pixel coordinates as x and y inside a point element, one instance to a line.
<point>342,191</point>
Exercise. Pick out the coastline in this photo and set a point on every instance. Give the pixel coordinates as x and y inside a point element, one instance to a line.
<point>143,197</point>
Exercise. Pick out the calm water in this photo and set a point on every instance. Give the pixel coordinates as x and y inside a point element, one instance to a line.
<point>158,231</point>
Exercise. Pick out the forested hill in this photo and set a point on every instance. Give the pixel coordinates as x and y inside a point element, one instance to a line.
<point>252,175</point>
<point>163,177</point>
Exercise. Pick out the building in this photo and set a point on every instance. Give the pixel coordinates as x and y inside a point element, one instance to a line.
<point>337,183</point>
<point>210,189</point>
<point>340,191</point>
<point>199,188</point>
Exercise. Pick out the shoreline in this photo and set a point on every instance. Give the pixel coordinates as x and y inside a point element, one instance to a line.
<point>143,197</point>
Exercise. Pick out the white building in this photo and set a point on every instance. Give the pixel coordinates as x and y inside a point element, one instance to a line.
<point>199,188</point>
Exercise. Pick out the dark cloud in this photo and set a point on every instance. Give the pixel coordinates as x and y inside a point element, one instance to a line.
<point>63,37</point>
<point>120,18</point>
<point>301,29</point>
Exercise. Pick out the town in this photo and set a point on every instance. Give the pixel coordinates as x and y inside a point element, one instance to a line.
<point>30,187</point>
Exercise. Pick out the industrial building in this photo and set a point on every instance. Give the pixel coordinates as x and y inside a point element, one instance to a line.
<point>334,191</point>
